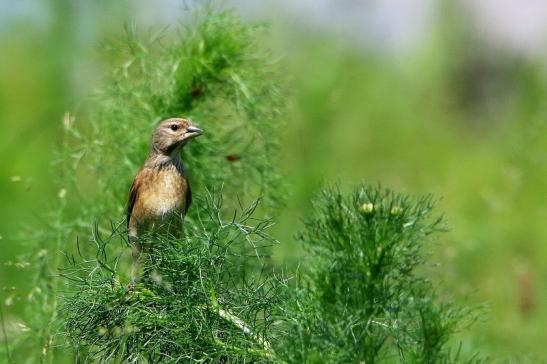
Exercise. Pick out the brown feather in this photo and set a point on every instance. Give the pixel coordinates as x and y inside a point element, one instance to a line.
<point>158,193</point>
<point>133,192</point>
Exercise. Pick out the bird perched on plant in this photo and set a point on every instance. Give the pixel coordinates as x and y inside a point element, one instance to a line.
<point>160,193</point>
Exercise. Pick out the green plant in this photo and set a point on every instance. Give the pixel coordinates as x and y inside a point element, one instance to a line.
<point>198,300</point>
<point>211,294</point>
<point>213,70</point>
<point>359,294</point>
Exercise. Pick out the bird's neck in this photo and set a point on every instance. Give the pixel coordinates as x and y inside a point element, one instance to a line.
<point>159,160</point>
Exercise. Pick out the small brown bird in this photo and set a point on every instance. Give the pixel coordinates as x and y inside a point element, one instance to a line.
<point>160,191</point>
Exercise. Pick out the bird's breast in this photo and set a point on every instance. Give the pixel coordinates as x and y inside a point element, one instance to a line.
<point>163,192</point>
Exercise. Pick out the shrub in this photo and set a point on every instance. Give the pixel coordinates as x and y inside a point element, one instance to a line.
<point>211,295</point>
<point>199,299</point>
<point>360,297</point>
<point>215,71</point>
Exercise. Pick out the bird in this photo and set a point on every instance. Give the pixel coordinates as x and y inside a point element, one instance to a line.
<point>160,194</point>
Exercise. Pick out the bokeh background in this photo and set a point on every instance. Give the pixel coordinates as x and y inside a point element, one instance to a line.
<point>424,96</point>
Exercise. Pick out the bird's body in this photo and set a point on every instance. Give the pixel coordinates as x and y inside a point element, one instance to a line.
<point>160,194</point>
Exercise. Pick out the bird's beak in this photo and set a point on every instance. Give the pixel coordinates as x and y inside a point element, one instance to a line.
<point>192,132</point>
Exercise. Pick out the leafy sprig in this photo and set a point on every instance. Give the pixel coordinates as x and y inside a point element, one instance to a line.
<point>360,297</point>
<point>195,302</point>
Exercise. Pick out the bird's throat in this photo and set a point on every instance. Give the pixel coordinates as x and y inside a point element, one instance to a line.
<point>160,160</point>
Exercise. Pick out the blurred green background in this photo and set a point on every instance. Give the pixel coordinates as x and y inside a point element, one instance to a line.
<point>441,97</point>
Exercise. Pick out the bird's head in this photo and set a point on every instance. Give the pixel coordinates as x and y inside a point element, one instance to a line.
<point>171,134</point>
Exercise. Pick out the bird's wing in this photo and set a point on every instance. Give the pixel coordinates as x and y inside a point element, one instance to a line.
<point>133,195</point>
<point>188,197</point>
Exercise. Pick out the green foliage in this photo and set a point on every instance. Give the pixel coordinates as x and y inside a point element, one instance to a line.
<point>197,300</point>
<point>396,122</point>
<point>359,296</point>
<point>408,121</point>
<point>214,71</point>
<point>211,295</point>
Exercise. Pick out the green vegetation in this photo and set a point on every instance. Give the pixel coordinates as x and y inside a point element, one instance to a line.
<point>214,71</point>
<point>198,299</point>
<point>416,124</point>
<point>212,294</point>
<point>373,118</point>
<point>359,297</point>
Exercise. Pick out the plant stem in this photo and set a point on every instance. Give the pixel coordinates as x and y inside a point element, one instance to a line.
<point>243,326</point>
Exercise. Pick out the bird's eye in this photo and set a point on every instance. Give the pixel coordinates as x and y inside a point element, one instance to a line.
<point>174,127</point>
